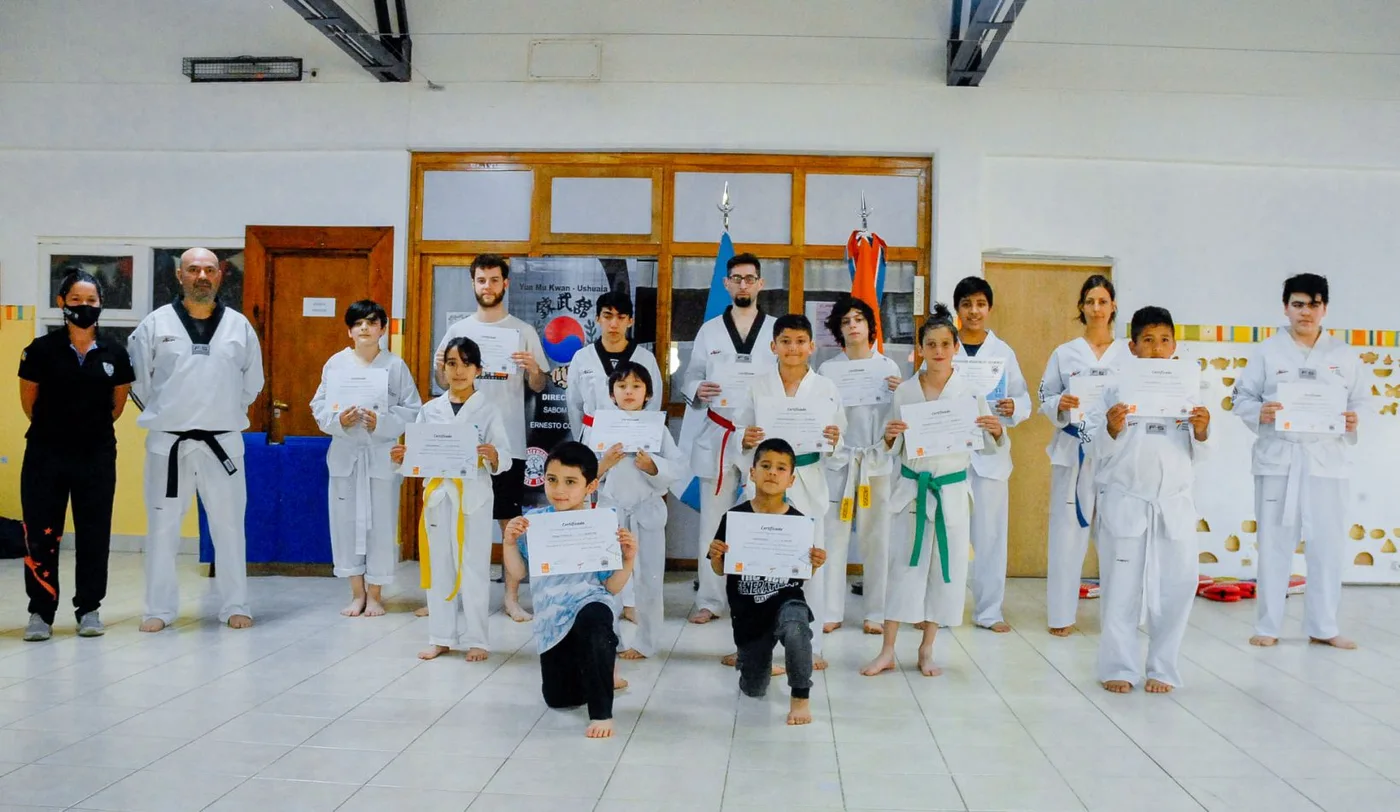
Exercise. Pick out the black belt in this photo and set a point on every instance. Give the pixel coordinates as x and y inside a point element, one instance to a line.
<point>209,438</point>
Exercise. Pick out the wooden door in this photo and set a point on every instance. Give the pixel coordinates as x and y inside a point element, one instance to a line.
<point>297,283</point>
<point>1035,312</point>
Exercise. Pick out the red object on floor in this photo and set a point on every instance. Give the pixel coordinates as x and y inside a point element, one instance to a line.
<point>1223,593</point>
<point>1088,590</point>
<point>1297,585</point>
<point>1247,589</point>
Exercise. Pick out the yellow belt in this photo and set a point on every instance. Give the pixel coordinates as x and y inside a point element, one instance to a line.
<point>425,559</point>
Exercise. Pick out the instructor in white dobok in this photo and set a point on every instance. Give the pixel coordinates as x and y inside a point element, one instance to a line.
<point>1300,478</point>
<point>591,366</point>
<point>742,333</point>
<point>198,368</point>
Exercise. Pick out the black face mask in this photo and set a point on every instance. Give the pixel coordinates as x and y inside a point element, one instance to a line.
<point>81,316</point>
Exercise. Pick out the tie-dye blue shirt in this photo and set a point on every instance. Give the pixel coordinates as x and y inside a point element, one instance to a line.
<point>558,598</point>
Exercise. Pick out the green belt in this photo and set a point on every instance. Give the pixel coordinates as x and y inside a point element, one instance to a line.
<point>808,459</point>
<point>928,482</point>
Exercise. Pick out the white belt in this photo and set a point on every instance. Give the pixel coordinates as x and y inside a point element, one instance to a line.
<point>1293,486</point>
<point>364,512</point>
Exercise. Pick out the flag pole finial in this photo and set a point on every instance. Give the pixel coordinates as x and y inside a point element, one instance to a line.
<point>725,207</point>
<point>865,212</point>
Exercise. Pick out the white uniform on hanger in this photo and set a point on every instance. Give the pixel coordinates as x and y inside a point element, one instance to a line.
<point>714,449</point>
<point>181,387</point>
<point>457,526</point>
<point>641,508</point>
<point>859,486</point>
<point>1146,539</point>
<point>1071,475</point>
<point>918,592</point>
<point>364,487</point>
<point>991,495</point>
<point>588,384</point>
<point>809,492</point>
<point>1300,481</point>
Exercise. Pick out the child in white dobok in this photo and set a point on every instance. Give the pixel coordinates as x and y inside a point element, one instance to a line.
<point>636,484</point>
<point>1147,521</point>
<point>454,533</point>
<point>364,487</point>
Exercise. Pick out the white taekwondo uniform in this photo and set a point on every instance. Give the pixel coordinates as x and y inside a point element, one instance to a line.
<point>507,393</point>
<point>194,389</point>
<point>714,447</point>
<point>364,487</point>
<point>1300,480</point>
<point>456,530</point>
<point>1146,539</point>
<point>1071,475</point>
<point>990,492</point>
<point>858,491</point>
<point>928,575</point>
<point>588,383</point>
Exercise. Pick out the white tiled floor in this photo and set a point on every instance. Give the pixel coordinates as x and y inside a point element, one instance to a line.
<point>311,711</point>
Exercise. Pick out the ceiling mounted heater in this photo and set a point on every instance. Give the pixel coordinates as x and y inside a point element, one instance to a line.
<point>243,68</point>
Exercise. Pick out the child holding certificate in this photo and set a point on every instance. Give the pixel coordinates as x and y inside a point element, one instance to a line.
<point>574,613</point>
<point>931,499</point>
<point>1147,521</point>
<point>365,399</point>
<point>454,533</point>
<point>803,408</point>
<point>767,611</point>
<point>635,484</point>
<point>1080,367</point>
<point>859,490</point>
<point>1300,395</point>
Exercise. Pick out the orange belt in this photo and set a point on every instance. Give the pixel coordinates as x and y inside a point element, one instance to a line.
<point>728,427</point>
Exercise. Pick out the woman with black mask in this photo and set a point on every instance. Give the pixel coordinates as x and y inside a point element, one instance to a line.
<point>73,388</point>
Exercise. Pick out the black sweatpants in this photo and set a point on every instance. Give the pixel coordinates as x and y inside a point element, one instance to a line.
<point>792,626</point>
<point>578,670</point>
<point>49,478</point>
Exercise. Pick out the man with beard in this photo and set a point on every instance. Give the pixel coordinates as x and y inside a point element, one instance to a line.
<point>198,368</point>
<point>737,345</point>
<point>490,281</point>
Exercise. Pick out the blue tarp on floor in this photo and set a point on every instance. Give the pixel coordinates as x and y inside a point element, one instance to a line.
<point>287,519</point>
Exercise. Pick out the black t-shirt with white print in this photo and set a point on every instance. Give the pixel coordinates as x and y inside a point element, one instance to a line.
<point>754,600</point>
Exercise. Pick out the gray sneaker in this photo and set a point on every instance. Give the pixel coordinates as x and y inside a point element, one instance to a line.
<point>37,630</point>
<point>90,625</point>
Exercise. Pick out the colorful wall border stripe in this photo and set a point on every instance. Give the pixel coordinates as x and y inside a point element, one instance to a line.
<point>1240,334</point>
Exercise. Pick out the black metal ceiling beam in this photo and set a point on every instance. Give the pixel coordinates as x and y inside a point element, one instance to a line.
<point>387,55</point>
<point>978,29</point>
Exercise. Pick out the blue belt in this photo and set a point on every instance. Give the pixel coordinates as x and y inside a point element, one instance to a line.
<point>1073,431</point>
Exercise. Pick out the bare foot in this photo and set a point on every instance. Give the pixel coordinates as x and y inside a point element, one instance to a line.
<point>1335,642</point>
<point>1063,631</point>
<point>240,622</point>
<point>828,628</point>
<point>433,652</point>
<point>519,615</point>
<point>599,729</point>
<point>778,670</point>
<point>871,627</point>
<point>152,624</point>
<point>619,684</point>
<point>1156,686</point>
<point>800,711</point>
<point>374,608</point>
<point>1263,641</point>
<point>1118,686</point>
<point>1000,627</point>
<point>730,660</point>
<point>355,608</point>
<point>629,614</point>
<point>702,617</point>
<point>477,655</point>
<point>818,663</point>
<point>421,611</point>
<point>884,662</point>
<point>926,666</point>
<point>631,654</point>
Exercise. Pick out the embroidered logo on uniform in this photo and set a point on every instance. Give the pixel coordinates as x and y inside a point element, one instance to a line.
<point>534,466</point>
<point>168,339</point>
<point>1156,428</point>
<point>199,349</point>
<point>108,368</point>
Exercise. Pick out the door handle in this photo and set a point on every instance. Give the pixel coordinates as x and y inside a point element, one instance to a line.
<point>274,433</point>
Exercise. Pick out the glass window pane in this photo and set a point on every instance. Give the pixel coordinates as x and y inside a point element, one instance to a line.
<point>165,287</point>
<point>600,206</point>
<point>477,205</point>
<point>690,288</point>
<point>833,208</point>
<point>827,279</point>
<point>113,271</point>
<point>762,207</point>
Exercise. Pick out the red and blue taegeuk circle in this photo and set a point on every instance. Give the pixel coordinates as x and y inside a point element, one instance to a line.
<point>563,336</point>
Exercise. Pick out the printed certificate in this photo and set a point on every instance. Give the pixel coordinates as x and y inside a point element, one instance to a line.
<point>1159,387</point>
<point>769,545</point>
<point>1312,406</point>
<point>497,345</point>
<point>1089,389</point>
<point>735,379</point>
<point>572,542</point>
<point>941,427</point>
<point>987,375</point>
<point>435,450</point>
<point>792,420</point>
<point>366,388</point>
<point>862,383</point>
<point>637,431</point>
